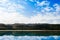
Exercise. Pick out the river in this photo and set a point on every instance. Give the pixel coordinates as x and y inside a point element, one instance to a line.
<point>11,37</point>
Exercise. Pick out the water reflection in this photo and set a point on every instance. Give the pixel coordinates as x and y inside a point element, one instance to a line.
<point>10,37</point>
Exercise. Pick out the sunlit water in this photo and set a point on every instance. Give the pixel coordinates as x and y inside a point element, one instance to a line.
<point>10,37</point>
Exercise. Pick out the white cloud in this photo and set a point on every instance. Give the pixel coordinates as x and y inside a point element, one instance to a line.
<point>57,7</point>
<point>49,15</point>
<point>8,14</point>
<point>42,3</point>
<point>3,1</point>
<point>8,18</point>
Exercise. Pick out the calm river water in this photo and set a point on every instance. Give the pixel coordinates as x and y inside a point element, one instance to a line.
<point>11,37</point>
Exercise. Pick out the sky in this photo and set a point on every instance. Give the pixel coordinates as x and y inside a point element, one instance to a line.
<point>30,11</point>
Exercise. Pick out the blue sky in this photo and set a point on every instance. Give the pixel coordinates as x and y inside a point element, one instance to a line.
<point>30,11</point>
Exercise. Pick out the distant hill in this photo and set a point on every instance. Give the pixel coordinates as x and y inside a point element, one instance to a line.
<point>18,26</point>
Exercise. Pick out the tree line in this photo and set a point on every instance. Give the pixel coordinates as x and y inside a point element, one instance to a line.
<point>18,26</point>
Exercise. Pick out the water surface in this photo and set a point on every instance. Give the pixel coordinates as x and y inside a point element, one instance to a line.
<point>11,37</point>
